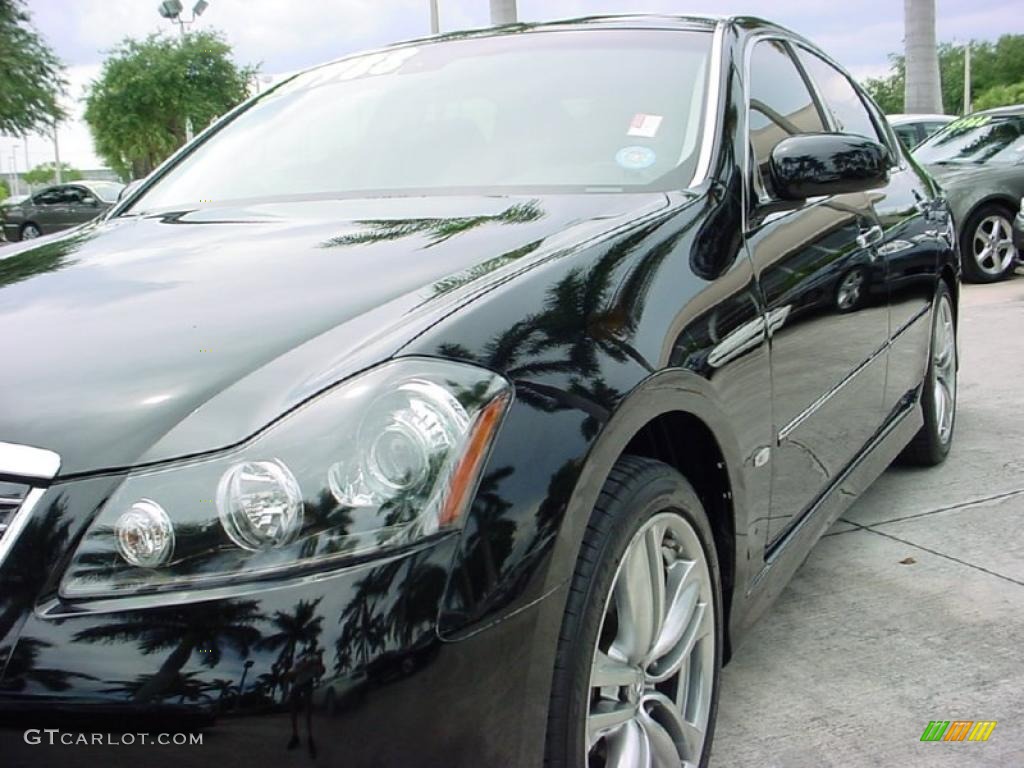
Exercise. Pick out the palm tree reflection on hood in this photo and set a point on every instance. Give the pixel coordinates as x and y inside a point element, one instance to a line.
<point>436,230</point>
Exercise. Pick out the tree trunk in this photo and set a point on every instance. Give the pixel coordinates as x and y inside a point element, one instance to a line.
<point>169,670</point>
<point>923,92</point>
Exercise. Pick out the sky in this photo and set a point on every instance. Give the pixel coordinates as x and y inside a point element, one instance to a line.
<point>286,35</point>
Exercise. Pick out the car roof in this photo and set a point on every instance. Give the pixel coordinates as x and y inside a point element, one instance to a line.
<point>903,119</point>
<point>1014,110</point>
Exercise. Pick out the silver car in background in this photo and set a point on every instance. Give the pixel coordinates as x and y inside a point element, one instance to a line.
<point>913,129</point>
<point>979,161</point>
<point>58,207</point>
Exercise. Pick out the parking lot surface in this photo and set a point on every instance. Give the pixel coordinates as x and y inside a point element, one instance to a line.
<point>912,608</point>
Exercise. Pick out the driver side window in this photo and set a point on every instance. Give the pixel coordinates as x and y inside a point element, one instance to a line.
<point>781,105</point>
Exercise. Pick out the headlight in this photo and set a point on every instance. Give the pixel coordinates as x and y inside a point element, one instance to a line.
<point>378,462</point>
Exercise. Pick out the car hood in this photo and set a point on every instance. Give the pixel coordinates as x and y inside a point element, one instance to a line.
<point>142,339</point>
<point>951,175</point>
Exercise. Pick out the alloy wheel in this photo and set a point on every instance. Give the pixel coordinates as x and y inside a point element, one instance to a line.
<point>30,232</point>
<point>992,245</point>
<point>944,367</point>
<point>652,674</point>
<point>850,289</point>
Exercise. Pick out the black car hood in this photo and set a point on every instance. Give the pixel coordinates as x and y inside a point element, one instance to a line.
<point>142,339</point>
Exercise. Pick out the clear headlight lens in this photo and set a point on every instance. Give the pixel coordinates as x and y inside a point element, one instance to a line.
<point>377,462</point>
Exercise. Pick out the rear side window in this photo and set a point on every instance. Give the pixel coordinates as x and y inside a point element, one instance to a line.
<point>841,98</point>
<point>781,104</point>
<point>49,197</point>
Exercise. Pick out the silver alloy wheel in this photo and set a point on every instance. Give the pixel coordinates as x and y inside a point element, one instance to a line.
<point>652,674</point>
<point>849,293</point>
<point>944,367</point>
<point>30,232</point>
<point>992,245</point>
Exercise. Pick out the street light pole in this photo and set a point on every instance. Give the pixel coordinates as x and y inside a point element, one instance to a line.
<point>967,78</point>
<point>56,156</point>
<point>171,10</point>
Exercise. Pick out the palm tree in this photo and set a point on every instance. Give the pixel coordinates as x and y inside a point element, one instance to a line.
<point>923,89</point>
<point>211,627</point>
<point>300,627</point>
<point>23,668</point>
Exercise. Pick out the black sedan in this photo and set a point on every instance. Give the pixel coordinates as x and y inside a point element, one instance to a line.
<point>461,403</point>
<point>55,208</point>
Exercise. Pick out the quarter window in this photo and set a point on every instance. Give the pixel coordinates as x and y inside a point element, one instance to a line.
<point>841,98</point>
<point>781,104</point>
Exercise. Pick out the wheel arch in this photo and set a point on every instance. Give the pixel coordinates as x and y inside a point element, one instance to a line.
<point>673,416</point>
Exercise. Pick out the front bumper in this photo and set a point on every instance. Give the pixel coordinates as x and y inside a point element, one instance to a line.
<point>345,670</point>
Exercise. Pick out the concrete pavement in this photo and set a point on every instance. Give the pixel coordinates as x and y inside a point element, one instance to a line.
<point>912,608</point>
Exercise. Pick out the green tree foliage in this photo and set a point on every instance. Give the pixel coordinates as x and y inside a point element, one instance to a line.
<point>31,76</point>
<point>997,72</point>
<point>137,109</point>
<point>5,191</point>
<point>45,174</point>
<point>1001,96</point>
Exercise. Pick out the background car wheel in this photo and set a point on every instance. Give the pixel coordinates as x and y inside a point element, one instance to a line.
<point>30,231</point>
<point>986,244</point>
<point>640,651</point>
<point>852,290</point>
<point>930,445</point>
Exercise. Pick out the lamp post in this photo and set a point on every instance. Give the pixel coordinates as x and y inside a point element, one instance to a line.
<point>171,10</point>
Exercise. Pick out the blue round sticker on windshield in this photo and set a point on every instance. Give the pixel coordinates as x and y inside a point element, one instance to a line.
<point>635,158</point>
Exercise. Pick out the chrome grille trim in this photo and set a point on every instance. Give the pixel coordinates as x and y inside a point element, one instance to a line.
<point>24,461</point>
<point>32,467</point>
<point>18,522</point>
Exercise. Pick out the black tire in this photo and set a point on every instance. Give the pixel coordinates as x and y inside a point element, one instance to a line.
<point>636,490</point>
<point>973,271</point>
<point>29,225</point>
<point>928,448</point>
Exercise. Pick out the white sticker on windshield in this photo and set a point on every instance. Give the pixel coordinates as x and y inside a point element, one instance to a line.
<point>644,125</point>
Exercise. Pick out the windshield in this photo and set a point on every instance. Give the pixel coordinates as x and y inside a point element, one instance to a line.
<point>557,111</point>
<point>976,139</point>
<point>107,191</point>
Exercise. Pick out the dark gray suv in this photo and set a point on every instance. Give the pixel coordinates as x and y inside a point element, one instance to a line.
<point>59,207</point>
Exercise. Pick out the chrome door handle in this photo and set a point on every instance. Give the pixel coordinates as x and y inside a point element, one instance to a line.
<point>869,237</point>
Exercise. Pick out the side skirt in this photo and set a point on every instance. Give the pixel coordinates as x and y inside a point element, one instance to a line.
<point>785,556</point>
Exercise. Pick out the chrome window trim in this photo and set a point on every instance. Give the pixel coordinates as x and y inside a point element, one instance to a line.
<point>712,107</point>
<point>24,461</point>
<point>19,521</point>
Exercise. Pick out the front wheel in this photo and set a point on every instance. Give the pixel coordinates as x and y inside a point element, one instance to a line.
<point>987,244</point>
<point>931,444</point>
<point>640,652</point>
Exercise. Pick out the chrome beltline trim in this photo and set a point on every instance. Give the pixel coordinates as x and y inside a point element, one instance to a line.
<point>28,462</point>
<point>711,105</point>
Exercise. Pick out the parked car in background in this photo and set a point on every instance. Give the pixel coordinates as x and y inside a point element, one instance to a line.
<point>487,405</point>
<point>913,129</point>
<point>979,161</point>
<point>1018,232</point>
<point>58,207</point>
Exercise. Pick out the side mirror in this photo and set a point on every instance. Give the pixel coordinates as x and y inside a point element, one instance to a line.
<point>815,164</point>
<point>130,187</point>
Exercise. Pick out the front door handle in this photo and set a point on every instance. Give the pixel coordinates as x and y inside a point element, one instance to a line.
<point>869,237</point>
